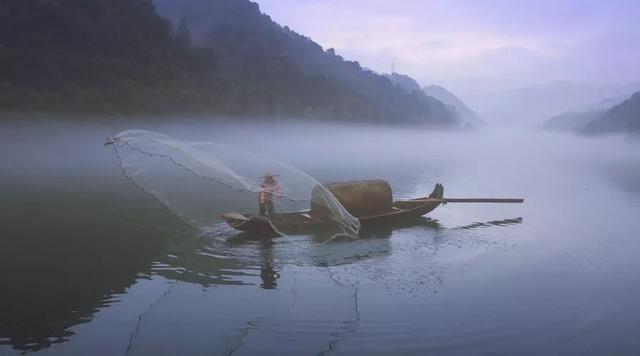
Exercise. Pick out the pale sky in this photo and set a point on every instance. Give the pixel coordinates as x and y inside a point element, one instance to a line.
<point>511,41</point>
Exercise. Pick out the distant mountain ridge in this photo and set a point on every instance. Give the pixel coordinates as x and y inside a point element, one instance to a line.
<point>532,105</point>
<point>575,120</point>
<point>466,113</point>
<point>622,118</point>
<point>467,116</point>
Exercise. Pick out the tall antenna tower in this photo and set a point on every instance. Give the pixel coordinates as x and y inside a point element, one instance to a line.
<point>393,67</point>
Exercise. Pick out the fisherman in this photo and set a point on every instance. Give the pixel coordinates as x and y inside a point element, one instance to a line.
<point>269,187</point>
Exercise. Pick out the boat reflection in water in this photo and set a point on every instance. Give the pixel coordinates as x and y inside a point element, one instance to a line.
<point>267,273</point>
<point>504,222</point>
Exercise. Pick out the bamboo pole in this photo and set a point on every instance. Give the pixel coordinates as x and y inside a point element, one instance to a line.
<point>471,200</point>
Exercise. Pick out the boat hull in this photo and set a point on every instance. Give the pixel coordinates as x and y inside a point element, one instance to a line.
<point>303,223</point>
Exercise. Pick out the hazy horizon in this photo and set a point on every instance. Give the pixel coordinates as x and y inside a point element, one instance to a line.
<point>480,46</point>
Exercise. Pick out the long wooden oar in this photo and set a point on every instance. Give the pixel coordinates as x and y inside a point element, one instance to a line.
<point>474,200</point>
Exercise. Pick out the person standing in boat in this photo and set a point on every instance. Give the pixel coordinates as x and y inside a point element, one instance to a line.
<point>269,187</point>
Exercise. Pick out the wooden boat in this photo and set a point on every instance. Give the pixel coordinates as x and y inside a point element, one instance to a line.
<point>306,222</point>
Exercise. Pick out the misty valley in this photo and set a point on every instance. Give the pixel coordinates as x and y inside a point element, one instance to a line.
<point>223,177</point>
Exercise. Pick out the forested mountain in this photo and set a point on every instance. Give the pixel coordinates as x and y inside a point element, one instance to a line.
<point>98,57</point>
<point>622,118</point>
<point>465,113</point>
<point>105,57</point>
<point>272,70</point>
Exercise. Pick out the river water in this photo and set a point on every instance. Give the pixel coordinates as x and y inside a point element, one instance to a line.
<point>91,265</point>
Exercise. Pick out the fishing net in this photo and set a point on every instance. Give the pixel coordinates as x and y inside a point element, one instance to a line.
<point>201,181</point>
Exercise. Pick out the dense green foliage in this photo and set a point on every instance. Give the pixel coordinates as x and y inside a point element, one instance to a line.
<point>97,56</point>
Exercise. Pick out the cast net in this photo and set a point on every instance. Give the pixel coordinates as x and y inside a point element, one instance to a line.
<point>201,181</point>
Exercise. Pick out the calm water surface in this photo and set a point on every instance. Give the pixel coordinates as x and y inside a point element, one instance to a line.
<point>92,265</point>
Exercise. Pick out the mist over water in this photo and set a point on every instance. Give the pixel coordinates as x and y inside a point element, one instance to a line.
<point>115,271</point>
